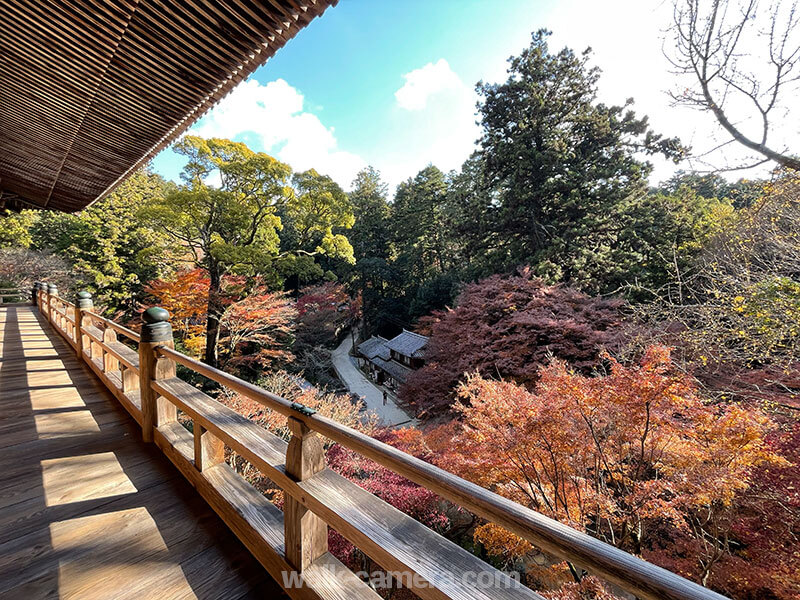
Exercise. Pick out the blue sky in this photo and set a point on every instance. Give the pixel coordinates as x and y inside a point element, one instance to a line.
<point>391,82</point>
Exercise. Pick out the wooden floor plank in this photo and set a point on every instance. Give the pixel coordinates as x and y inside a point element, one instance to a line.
<point>87,510</point>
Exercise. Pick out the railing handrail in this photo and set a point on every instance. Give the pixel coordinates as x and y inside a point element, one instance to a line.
<point>637,576</point>
<point>644,579</point>
<point>128,333</point>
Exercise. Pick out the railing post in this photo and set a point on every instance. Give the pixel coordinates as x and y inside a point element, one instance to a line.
<point>52,291</point>
<point>305,534</point>
<point>70,325</point>
<point>40,295</point>
<point>110,363</point>
<point>82,302</point>
<point>130,379</point>
<point>35,293</point>
<point>209,450</point>
<point>156,331</point>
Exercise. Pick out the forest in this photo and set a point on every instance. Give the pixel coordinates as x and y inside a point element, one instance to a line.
<point>618,355</point>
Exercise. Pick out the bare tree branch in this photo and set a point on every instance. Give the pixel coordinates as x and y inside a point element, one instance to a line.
<point>714,44</point>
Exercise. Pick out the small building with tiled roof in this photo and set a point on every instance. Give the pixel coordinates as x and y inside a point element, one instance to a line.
<point>393,370</point>
<point>408,349</point>
<point>376,346</point>
<point>390,361</point>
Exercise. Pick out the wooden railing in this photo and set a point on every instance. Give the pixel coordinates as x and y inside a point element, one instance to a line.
<point>294,541</point>
<point>12,295</point>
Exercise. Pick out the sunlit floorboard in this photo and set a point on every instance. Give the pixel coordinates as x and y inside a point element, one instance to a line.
<point>86,509</point>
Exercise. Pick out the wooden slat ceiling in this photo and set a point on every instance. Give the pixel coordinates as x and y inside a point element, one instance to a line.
<point>90,90</point>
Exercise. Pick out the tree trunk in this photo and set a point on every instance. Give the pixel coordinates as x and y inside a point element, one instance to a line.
<point>214,311</point>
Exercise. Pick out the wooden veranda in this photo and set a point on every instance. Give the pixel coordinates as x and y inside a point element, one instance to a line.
<point>86,510</point>
<point>90,509</point>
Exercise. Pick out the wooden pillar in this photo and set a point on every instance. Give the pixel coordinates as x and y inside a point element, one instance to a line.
<point>156,331</point>
<point>110,363</point>
<point>52,292</point>
<point>209,450</point>
<point>305,534</point>
<point>82,302</point>
<point>35,293</point>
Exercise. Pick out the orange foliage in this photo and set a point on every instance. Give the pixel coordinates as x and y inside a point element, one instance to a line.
<point>259,330</point>
<point>612,455</point>
<point>185,297</point>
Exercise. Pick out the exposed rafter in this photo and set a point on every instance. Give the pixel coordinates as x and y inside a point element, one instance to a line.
<point>90,90</point>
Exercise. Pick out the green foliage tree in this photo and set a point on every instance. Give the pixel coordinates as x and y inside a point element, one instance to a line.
<point>741,193</point>
<point>370,233</point>
<point>236,227</point>
<point>561,165</point>
<point>312,224</point>
<point>375,274</point>
<point>112,252</point>
<point>419,225</point>
<point>471,214</point>
<point>660,236</point>
<point>15,228</point>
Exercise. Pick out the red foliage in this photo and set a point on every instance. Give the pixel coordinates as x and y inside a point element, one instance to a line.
<point>406,496</point>
<point>764,527</point>
<point>590,588</point>
<point>323,311</point>
<point>635,458</point>
<point>258,331</point>
<point>328,296</point>
<point>509,327</point>
<point>185,296</point>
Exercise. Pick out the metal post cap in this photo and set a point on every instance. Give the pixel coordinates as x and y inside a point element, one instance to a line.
<point>84,300</point>
<point>155,314</point>
<point>156,325</point>
<point>52,288</point>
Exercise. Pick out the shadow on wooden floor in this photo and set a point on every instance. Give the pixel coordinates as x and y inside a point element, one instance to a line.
<point>86,509</point>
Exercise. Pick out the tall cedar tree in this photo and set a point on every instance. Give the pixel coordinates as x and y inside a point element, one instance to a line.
<point>508,327</point>
<point>419,227</point>
<point>562,167</point>
<point>377,277</point>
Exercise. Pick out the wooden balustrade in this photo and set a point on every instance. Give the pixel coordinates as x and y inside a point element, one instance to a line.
<point>295,539</point>
<point>11,295</point>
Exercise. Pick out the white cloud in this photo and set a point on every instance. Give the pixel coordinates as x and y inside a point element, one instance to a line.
<point>436,123</point>
<point>425,82</point>
<point>271,118</point>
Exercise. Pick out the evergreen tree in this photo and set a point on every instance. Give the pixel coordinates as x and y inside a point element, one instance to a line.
<point>375,275</point>
<point>562,166</point>
<point>112,252</point>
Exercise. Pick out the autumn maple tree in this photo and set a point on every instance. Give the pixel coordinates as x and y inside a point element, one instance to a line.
<point>323,310</point>
<point>258,331</point>
<point>185,297</point>
<point>621,456</point>
<point>509,326</point>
